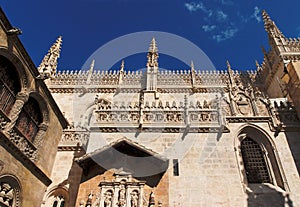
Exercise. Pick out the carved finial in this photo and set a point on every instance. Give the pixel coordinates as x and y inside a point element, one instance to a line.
<point>228,65</point>
<point>152,54</point>
<point>270,25</point>
<point>48,65</point>
<point>92,66</point>
<point>230,72</point>
<point>193,74</point>
<point>152,66</point>
<point>90,73</point>
<point>192,66</point>
<point>121,72</point>
<point>122,66</point>
<point>153,46</point>
<point>257,65</point>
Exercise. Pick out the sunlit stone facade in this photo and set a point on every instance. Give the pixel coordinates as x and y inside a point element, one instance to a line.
<point>151,138</point>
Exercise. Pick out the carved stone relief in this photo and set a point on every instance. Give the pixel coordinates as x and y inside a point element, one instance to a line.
<point>9,192</point>
<point>6,194</point>
<point>243,104</point>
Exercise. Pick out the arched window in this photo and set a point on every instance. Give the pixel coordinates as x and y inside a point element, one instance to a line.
<point>254,162</point>
<point>58,197</point>
<point>29,119</point>
<point>59,201</point>
<point>9,85</point>
<point>259,162</point>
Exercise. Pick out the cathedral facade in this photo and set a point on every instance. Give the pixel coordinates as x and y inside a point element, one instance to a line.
<point>149,138</point>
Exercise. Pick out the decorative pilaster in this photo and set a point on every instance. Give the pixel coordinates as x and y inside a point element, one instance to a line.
<point>48,65</point>
<point>193,74</point>
<point>141,193</point>
<point>21,99</point>
<point>152,66</point>
<point>231,87</point>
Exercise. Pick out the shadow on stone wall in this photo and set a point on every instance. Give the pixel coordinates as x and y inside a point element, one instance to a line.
<point>267,195</point>
<point>294,144</point>
<point>74,177</point>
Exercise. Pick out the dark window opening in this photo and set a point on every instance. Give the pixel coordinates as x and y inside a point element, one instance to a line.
<point>254,162</point>
<point>9,85</point>
<point>175,167</point>
<point>29,119</point>
<point>55,204</point>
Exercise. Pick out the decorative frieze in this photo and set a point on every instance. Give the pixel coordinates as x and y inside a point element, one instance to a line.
<point>74,136</point>
<point>25,146</point>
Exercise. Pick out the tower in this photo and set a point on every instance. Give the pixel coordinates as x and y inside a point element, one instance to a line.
<point>280,70</point>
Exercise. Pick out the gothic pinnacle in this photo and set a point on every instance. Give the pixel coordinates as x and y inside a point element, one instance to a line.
<point>270,25</point>
<point>122,66</point>
<point>193,74</point>
<point>152,55</point>
<point>192,66</point>
<point>153,46</point>
<point>48,66</point>
<point>230,72</point>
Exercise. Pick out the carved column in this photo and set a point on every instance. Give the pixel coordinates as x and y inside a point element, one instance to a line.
<point>116,195</point>
<point>141,193</point>
<point>128,196</point>
<point>21,99</point>
<point>40,134</point>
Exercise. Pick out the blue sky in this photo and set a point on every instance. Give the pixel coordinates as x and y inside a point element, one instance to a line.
<point>223,29</point>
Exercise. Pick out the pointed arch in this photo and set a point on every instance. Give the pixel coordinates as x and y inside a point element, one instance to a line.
<point>34,118</point>
<point>17,63</point>
<point>257,157</point>
<point>10,84</point>
<point>57,196</point>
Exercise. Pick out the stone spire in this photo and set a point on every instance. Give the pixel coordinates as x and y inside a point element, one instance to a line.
<point>276,39</point>
<point>270,25</point>
<point>48,65</point>
<point>152,66</point>
<point>90,72</point>
<point>121,72</point>
<point>152,55</point>
<point>230,73</point>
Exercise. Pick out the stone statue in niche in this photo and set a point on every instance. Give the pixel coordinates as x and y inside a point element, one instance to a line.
<point>122,200</point>
<point>6,194</point>
<point>108,198</point>
<point>134,198</point>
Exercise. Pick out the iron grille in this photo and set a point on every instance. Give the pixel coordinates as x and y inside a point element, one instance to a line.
<point>254,162</point>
